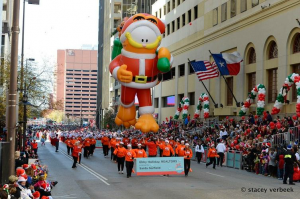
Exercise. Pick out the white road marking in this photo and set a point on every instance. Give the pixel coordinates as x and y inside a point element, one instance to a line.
<point>215,174</point>
<point>94,173</point>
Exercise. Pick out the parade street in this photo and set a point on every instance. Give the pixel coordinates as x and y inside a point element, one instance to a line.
<point>97,177</point>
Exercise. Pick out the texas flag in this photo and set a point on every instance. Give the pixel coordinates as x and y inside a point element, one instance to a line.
<point>228,63</point>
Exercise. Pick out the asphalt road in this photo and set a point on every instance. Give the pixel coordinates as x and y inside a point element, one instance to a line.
<point>98,177</point>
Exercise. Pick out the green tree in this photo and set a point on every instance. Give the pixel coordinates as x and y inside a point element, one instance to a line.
<point>109,119</point>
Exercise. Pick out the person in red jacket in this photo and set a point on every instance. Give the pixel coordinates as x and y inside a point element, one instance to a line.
<point>76,153</point>
<point>296,175</point>
<point>152,147</point>
<point>130,155</point>
<point>188,154</point>
<point>34,146</point>
<point>212,154</point>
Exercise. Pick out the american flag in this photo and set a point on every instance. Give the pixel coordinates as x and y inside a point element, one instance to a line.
<point>205,70</point>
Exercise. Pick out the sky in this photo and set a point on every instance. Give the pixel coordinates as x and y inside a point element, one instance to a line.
<point>58,24</point>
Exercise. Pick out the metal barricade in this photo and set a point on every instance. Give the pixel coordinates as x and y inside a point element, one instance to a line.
<point>234,159</point>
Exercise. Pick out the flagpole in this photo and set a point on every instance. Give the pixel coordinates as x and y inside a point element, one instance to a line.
<point>216,105</point>
<point>237,103</point>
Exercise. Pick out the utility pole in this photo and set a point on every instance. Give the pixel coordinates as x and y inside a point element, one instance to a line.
<point>12,95</point>
<point>100,64</point>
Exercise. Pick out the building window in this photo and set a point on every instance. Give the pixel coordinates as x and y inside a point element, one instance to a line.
<point>191,70</point>
<point>183,20</point>
<point>169,75</point>
<point>296,69</point>
<point>224,12</point>
<point>252,56</point>
<point>174,4</point>
<point>296,45</point>
<point>173,26</point>
<point>178,2</point>
<point>192,98</point>
<point>178,23</point>
<point>159,13</point>
<point>251,81</point>
<point>156,14</point>
<point>156,102</point>
<point>229,101</point>
<point>196,12</point>
<point>215,16</point>
<point>233,8</point>
<point>168,101</point>
<point>181,69</point>
<point>243,5</point>
<point>165,9</point>
<point>273,50</point>
<point>255,3</point>
<point>189,16</point>
<point>168,29</point>
<point>169,6</point>
<point>272,85</point>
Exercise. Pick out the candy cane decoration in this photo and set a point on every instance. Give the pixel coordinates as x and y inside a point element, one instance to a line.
<point>184,104</point>
<point>261,91</point>
<point>281,97</point>
<point>203,99</point>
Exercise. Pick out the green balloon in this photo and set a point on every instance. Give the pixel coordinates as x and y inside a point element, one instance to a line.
<point>163,65</point>
<point>116,48</point>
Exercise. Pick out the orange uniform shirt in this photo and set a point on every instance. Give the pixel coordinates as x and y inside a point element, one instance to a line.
<point>105,141</point>
<point>188,154</point>
<point>120,152</point>
<point>68,143</point>
<point>167,150</point>
<point>130,155</point>
<point>212,153</point>
<point>113,143</point>
<point>180,150</point>
<point>93,141</point>
<point>140,153</point>
<point>87,142</point>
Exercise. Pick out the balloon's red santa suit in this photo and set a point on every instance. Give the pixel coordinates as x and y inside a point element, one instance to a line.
<point>137,71</point>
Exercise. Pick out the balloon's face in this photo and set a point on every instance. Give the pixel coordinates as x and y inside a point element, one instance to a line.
<point>141,33</point>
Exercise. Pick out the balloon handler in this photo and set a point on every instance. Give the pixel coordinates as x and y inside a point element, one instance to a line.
<point>138,67</point>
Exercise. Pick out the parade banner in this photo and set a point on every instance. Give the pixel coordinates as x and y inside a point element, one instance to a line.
<point>98,144</point>
<point>160,166</point>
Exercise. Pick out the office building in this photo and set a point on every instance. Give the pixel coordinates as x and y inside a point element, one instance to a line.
<point>76,82</point>
<point>265,32</point>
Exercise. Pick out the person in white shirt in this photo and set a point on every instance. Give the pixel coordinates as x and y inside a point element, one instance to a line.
<point>223,134</point>
<point>221,150</point>
<point>199,151</point>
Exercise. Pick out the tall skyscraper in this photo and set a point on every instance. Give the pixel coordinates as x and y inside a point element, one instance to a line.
<point>76,82</point>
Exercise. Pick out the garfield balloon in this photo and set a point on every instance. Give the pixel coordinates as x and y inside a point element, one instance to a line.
<point>137,68</point>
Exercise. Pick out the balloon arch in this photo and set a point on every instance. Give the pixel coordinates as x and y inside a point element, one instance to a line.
<point>259,89</point>
<point>281,97</point>
<point>203,102</point>
<point>184,104</point>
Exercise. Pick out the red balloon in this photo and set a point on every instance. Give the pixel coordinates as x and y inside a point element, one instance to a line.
<point>232,145</point>
<point>278,125</point>
<point>107,126</point>
<point>235,141</point>
<point>256,116</point>
<point>190,23</point>
<point>227,117</point>
<point>171,117</point>
<point>243,117</point>
<point>258,135</point>
<point>237,147</point>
